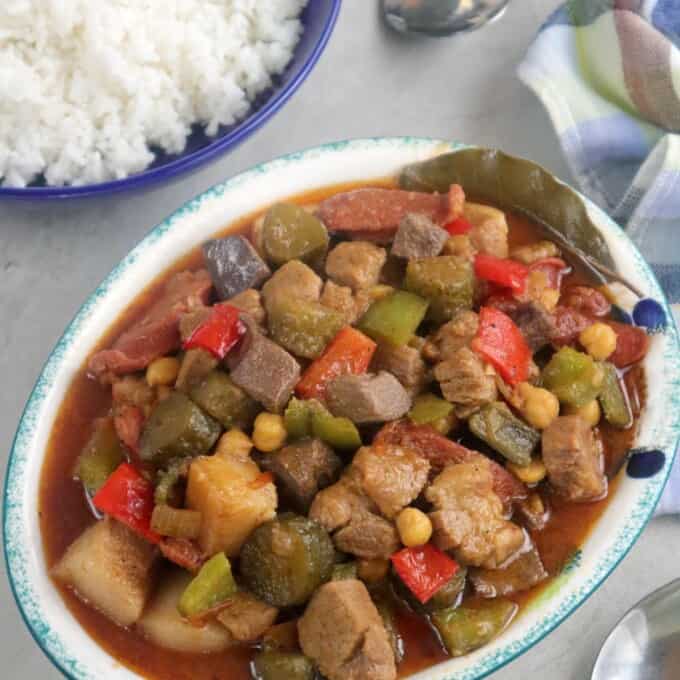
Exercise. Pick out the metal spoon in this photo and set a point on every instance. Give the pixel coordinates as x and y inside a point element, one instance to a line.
<point>440,17</point>
<point>645,644</point>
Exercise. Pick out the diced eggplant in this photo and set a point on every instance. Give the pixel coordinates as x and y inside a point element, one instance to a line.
<point>234,265</point>
<point>177,428</point>
<point>101,455</point>
<point>283,666</point>
<point>302,469</point>
<point>523,573</point>
<point>196,364</point>
<point>218,396</point>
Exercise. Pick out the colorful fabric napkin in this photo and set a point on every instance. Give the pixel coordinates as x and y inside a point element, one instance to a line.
<point>608,73</point>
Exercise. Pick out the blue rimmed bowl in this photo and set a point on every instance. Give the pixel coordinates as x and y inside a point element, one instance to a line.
<point>318,18</point>
<point>58,632</point>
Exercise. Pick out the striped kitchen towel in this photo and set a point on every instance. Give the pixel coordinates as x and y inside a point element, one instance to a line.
<point>608,73</point>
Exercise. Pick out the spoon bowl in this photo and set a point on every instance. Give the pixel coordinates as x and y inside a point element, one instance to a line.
<point>645,643</point>
<point>441,17</point>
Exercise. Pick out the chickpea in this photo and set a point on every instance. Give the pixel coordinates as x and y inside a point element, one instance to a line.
<point>162,371</point>
<point>529,474</point>
<point>538,406</point>
<point>414,526</point>
<point>590,412</point>
<point>372,571</point>
<point>234,443</point>
<point>599,340</point>
<point>269,432</point>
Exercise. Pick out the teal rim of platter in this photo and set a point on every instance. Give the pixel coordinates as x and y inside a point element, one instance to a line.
<point>665,436</point>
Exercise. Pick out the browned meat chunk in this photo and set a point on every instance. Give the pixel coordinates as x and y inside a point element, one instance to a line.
<point>345,507</point>
<point>183,552</point>
<point>128,421</point>
<point>523,573</point>
<point>469,516</point>
<point>195,366</point>
<point>249,302</point>
<point>264,370</point>
<point>234,265</point>
<point>586,300</point>
<point>489,233</point>
<point>246,617</point>
<point>403,362</point>
<point>341,630</point>
<point>355,264</point>
<point>369,537</point>
<point>368,398</point>
<point>464,379</point>
<point>535,511</point>
<point>190,321</point>
<point>301,470</point>
<point>133,391</point>
<point>111,568</point>
<point>391,476</point>
<point>294,281</point>
<point>455,334</point>
<point>157,332</point>
<point>535,322</point>
<point>573,459</point>
<point>418,236</point>
<point>340,298</point>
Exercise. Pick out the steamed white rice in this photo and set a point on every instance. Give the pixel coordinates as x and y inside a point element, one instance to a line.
<point>88,87</point>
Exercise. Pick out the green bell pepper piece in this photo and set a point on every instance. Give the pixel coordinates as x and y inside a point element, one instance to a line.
<point>504,432</point>
<point>166,491</point>
<point>283,666</point>
<point>177,428</point>
<point>297,419</point>
<point>384,603</point>
<point>449,596</point>
<point>303,327</point>
<point>218,396</point>
<point>573,377</point>
<point>465,629</point>
<point>613,399</point>
<point>340,433</point>
<point>291,233</point>
<point>394,318</point>
<point>101,455</point>
<point>447,281</point>
<point>347,571</point>
<point>213,584</point>
<point>428,408</point>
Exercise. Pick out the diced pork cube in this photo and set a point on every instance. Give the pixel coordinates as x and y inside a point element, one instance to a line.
<point>456,333</point>
<point>264,370</point>
<point>368,536</point>
<point>391,476</point>
<point>535,323</point>
<point>341,630</point>
<point>234,265</point>
<point>405,363</point>
<point>574,460</point>
<point>249,301</point>
<point>302,469</point>
<point>469,516</point>
<point>418,236</point>
<point>340,298</point>
<point>246,617</point>
<point>294,281</point>
<point>111,568</point>
<point>464,380</point>
<point>368,398</point>
<point>356,264</point>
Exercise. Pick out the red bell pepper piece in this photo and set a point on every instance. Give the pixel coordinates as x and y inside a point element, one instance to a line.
<point>553,267</point>
<point>218,333</point>
<point>424,569</point>
<point>506,273</point>
<point>458,226</point>
<point>502,344</point>
<point>128,497</point>
<point>350,352</point>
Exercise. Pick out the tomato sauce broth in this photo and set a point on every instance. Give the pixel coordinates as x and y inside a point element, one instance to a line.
<point>64,511</point>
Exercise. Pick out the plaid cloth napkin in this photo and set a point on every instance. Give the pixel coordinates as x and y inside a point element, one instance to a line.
<point>608,73</point>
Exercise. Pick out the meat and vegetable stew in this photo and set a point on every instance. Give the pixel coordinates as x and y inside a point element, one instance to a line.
<point>349,439</point>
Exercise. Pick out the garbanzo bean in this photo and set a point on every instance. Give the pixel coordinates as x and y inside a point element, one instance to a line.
<point>372,571</point>
<point>234,443</point>
<point>269,432</point>
<point>414,527</point>
<point>538,406</point>
<point>599,340</point>
<point>529,474</point>
<point>590,412</point>
<point>162,371</point>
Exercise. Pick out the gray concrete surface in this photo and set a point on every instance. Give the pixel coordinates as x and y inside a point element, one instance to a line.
<point>369,82</point>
